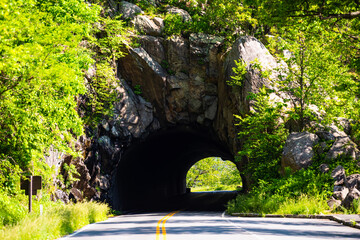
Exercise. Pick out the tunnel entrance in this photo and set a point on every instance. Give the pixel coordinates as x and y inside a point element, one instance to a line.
<point>151,175</point>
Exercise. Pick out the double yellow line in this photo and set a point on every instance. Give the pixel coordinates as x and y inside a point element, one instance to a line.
<point>162,222</point>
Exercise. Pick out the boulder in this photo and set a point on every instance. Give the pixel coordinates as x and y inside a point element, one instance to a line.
<point>181,12</point>
<point>129,10</point>
<point>340,192</point>
<point>343,146</point>
<point>249,49</point>
<point>353,181</point>
<point>298,150</point>
<point>345,124</point>
<point>325,136</point>
<point>60,195</point>
<point>75,195</point>
<point>153,27</point>
<point>338,174</point>
<point>333,203</point>
<point>352,195</point>
<point>336,131</point>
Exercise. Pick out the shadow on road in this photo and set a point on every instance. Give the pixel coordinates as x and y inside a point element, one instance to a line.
<point>196,201</point>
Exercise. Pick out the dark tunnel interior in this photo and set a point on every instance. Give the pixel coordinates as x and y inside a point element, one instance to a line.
<point>152,174</point>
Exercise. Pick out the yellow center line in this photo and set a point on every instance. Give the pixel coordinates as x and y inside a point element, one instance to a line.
<point>163,221</point>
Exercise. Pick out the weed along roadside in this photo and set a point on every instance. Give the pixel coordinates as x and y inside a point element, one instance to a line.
<point>56,221</point>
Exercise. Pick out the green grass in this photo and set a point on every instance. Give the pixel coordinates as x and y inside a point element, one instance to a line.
<point>58,220</point>
<point>277,204</point>
<point>233,187</point>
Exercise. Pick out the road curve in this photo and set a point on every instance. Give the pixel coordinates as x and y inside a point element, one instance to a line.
<point>185,225</point>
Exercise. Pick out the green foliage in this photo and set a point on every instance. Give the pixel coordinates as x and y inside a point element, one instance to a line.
<point>12,209</point>
<point>41,70</point>
<point>174,25</point>
<point>239,71</point>
<point>57,220</point>
<point>213,174</point>
<point>137,89</point>
<point>112,36</point>
<point>221,18</point>
<point>263,135</point>
<point>304,192</point>
<point>314,74</point>
<point>9,175</point>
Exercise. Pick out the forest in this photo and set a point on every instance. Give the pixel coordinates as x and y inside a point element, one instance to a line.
<point>47,101</point>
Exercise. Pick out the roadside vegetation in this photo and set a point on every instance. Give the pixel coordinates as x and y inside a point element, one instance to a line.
<point>213,174</point>
<point>57,220</point>
<point>46,47</point>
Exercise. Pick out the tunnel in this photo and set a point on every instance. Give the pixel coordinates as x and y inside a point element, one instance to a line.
<point>151,174</point>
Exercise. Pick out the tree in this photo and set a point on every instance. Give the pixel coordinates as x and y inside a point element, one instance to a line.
<point>212,173</point>
<point>263,135</point>
<point>313,74</point>
<point>41,72</point>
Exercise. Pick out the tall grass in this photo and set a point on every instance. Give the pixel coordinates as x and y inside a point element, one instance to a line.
<point>277,204</point>
<point>56,222</point>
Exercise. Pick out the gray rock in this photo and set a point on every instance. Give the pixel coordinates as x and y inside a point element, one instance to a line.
<point>338,174</point>
<point>333,203</point>
<point>153,27</point>
<point>343,146</point>
<point>105,125</point>
<point>105,142</point>
<point>324,168</point>
<point>104,183</point>
<point>133,113</point>
<point>129,10</point>
<point>298,150</point>
<point>352,195</point>
<point>325,136</point>
<point>76,195</point>
<point>210,104</point>
<point>353,181</point>
<point>195,105</point>
<point>181,12</point>
<point>155,66</point>
<point>248,49</point>
<point>345,124</point>
<point>336,131</point>
<point>60,195</point>
<point>340,192</point>
<point>178,54</point>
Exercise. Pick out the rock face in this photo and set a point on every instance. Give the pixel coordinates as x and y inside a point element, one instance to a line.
<point>153,27</point>
<point>346,189</point>
<point>181,12</point>
<point>128,10</point>
<point>249,49</point>
<point>298,150</point>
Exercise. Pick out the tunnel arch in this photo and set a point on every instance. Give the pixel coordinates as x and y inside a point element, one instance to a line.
<point>153,172</point>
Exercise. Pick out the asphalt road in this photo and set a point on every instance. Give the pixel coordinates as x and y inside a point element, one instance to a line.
<point>186,225</point>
